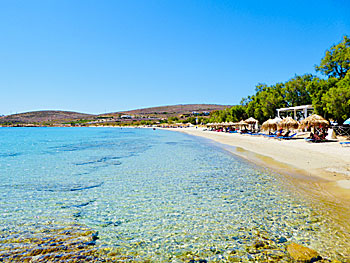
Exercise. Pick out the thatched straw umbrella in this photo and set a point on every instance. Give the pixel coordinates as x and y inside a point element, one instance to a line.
<point>252,122</point>
<point>269,124</point>
<point>242,123</point>
<point>313,121</point>
<point>288,123</point>
<point>277,120</point>
<point>235,124</point>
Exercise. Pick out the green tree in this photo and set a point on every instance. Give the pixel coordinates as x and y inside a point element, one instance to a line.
<point>264,103</point>
<point>173,119</point>
<point>218,116</point>
<point>317,88</point>
<point>336,62</point>
<point>337,100</point>
<point>237,113</point>
<point>295,91</point>
<point>191,120</point>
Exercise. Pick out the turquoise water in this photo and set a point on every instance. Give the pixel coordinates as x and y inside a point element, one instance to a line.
<point>153,195</point>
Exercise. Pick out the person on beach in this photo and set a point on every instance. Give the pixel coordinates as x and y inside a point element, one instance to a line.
<point>279,133</point>
<point>286,134</point>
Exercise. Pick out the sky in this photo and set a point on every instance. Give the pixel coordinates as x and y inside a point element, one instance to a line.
<point>97,56</point>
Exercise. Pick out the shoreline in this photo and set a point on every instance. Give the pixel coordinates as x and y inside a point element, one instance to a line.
<point>319,171</point>
<point>211,199</point>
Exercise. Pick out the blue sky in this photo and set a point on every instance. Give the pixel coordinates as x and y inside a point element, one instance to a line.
<point>104,56</point>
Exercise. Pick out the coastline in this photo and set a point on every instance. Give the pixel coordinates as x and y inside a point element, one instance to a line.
<point>321,171</point>
<point>294,213</point>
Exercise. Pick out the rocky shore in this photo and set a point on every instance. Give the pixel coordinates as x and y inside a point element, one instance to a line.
<point>78,244</point>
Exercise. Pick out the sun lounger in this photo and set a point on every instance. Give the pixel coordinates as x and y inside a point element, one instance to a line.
<point>271,135</point>
<point>314,140</point>
<point>286,137</point>
<point>256,133</point>
<point>344,144</point>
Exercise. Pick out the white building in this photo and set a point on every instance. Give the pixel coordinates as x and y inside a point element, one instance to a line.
<point>126,117</point>
<point>303,108</point>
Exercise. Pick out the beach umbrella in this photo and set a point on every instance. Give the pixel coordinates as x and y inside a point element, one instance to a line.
<point>242,123</point>
<point>288,123</point>
<point>277,120</point>
<point>251,120</point>
<point>347,122</point>
<point>313,121</point>
<point>269,124</point>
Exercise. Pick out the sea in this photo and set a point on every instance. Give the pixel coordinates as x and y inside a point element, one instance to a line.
<point>144,195</point>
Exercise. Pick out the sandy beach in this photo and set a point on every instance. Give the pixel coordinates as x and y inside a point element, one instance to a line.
<point>318,169</point>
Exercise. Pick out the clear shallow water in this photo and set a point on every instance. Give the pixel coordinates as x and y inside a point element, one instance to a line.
<point>152,195</point>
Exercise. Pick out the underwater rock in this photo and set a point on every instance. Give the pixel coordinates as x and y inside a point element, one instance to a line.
<point>302,254</point>
<point>94,236</point>
<point>62,244</point>
<point>275,254</point>
<point>282,240</point>
<point>260,244</point>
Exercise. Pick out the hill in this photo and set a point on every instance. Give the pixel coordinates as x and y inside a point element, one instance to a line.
<point>44,116</point>
<point>57,118</point>
<point>172,110</point>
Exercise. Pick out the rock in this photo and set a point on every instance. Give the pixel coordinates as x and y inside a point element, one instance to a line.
<point>90,243</point>
<point>260,244</point>
<point>94,236</point>
<point>302,254</point>
<point>234,258</point>
<point>275,254</point>
<point>282,240</point>
<point>198,261</point>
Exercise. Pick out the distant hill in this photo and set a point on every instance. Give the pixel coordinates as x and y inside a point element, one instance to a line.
<point>173,110</point>
<point>154,113</point>
<point>44,116</point>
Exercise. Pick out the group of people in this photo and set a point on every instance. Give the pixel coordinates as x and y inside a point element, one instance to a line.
<point>281,134</point>
<point>319,135</point>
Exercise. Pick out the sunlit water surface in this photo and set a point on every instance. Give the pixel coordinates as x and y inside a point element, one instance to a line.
<point>157,195</point>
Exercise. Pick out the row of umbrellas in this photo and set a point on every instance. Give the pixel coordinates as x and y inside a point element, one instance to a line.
<point>241,123</point>
<point>286,123</point>
<point>289,123</point>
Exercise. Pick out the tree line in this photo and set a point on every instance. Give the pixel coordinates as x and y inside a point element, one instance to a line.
<point>330,96</point>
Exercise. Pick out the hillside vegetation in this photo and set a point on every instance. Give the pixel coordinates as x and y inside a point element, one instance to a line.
<point>173,110</point>
<point>44,116</point>
<point>139,116</point>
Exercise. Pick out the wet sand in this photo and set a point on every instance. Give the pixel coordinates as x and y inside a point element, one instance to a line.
<point>319,170</point>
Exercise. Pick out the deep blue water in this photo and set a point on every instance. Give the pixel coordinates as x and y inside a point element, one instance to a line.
<point>155,194</point>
